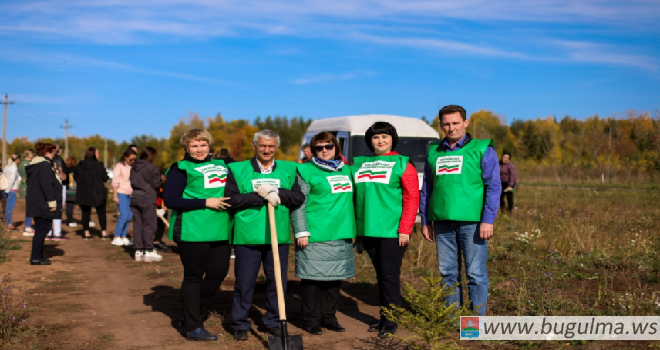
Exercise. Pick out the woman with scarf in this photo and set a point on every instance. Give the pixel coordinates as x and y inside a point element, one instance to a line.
<point>387,198</point>
<point>324,229</point>
<point>44,198</point>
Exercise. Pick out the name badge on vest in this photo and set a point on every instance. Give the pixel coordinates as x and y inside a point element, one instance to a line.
<point>257,182</point>
<point>214,175</point>
<point>340,183</point>
<point>378,171</point>
<point>449,165</point>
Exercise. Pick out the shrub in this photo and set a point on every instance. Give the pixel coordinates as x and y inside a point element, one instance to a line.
<point>13,315</point>
<point>429,318</point>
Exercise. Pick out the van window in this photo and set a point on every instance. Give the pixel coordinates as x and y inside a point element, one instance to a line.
<point>416,148</point>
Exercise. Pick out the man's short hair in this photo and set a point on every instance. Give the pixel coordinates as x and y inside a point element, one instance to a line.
<point>306,146</point>
<point>266,134</point>
<point>452,109</point>
<point>506,153</point>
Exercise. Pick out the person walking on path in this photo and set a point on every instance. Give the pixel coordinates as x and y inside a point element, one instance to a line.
<point>70,184</point>
<point>387,198</point>
<point>145,181</point>
<point>90,190</point>
<point>324,227</point>
<point>195,191</point>
<point>60,167</point>
<point>44,198</point>
<point>28,154</point>
<point>13,180</point>
<point>121,185</point>
<point>458,205</point>
<point>508,179</point>
<point>259,181</point>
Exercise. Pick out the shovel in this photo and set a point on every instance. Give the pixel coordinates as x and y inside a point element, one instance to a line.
<point>285,342</point>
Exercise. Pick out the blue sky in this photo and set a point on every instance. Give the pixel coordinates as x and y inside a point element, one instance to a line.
<point>121,68</point>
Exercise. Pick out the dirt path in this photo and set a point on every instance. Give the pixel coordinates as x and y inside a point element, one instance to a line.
<point>95,296</point>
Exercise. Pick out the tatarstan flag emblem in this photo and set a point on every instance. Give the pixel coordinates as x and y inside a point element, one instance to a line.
<point>447,168</point>
<point>344,186</point>
<point>370,174</point>
<point>213,178</point>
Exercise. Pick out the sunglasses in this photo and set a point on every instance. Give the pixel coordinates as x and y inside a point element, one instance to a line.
<point>329,147</point>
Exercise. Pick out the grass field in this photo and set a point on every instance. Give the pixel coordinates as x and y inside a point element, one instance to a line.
<point>577,251</point>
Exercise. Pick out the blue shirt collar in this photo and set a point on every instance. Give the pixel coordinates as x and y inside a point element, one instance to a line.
<point>445,143</point>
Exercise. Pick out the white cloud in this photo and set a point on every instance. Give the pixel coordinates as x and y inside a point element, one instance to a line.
<point>325,77</point>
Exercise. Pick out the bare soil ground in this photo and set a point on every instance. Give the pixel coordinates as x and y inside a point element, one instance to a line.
<point>95,296</point>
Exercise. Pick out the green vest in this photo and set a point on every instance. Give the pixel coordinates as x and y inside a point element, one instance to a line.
<point>458,186</point>
<point>252,225</point>
<point>379,196</point>
<point>329,211</point>
<point>204,180</point>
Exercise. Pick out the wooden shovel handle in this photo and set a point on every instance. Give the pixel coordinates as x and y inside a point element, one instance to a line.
<point>276,262</point>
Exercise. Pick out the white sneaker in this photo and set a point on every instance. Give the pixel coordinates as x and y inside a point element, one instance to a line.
<point>126,241</point>
<point>152,256</point>
<point>73,224</point>
<point>117,241</point>
<point>27,233</point>
<point>139,255</point>
<point>92,224</point>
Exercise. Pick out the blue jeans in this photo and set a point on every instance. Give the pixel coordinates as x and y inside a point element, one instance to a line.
<point>125,215</point>
<point>11,202</point>
<point>453,238</point>
<point>28,222</point>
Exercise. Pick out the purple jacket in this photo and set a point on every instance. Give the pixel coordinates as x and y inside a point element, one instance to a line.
<point>508,173</point>
<point>490,175</point>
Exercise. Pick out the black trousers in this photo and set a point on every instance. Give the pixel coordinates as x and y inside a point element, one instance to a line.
<point>386,256</point>
<point>41,228</point>
<point>319,301</point>
<point>249,259</point>
<point>509,198</point>
<point>205,266</point>
<point>87,213</point>
<point>69,212</point>
<point>144,225</point>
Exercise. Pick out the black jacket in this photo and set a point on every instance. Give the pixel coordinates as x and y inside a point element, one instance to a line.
<point>44,190</point>
<point>145,180</point>
<point>291,199</point>
<point>90,183</point>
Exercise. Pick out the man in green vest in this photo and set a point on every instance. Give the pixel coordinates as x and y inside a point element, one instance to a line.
<point>458,205</point>
<point>259,181</point>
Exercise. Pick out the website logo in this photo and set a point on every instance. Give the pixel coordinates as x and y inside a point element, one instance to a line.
<point>469,327</point>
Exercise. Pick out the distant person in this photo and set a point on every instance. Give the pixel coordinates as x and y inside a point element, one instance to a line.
<point>13,182</point>
<point>508,179</point>
<point>224,155</point>
<point>44,198</point>
<point>60,167</point>
<point>458,206</point>
<point>28,155</point>
<point>145,180</point>
<point>122,190</point>
<point>307,153</point>
<point>70,200</point>
<point>91,177</point>
<point>161,211</point>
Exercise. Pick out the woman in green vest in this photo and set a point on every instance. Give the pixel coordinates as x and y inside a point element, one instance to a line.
<point>200,225</point>
<point>324,229</point>
<point>387,198</point>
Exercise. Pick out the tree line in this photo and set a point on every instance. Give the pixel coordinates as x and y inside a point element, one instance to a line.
<point>592,146</point>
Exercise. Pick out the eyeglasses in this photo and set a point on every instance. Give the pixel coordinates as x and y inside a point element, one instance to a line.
<point>320,148</point>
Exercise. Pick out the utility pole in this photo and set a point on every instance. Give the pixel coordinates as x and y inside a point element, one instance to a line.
<point>66,128</point>
<point>105,153</point>
<point>4,130</point>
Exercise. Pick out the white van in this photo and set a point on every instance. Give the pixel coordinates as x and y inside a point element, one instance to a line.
<point>414,136</point>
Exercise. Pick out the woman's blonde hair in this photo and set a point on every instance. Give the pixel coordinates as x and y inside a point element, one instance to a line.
<point>195,135</point>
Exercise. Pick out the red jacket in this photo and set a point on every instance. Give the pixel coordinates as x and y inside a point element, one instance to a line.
<point>410,187</point>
